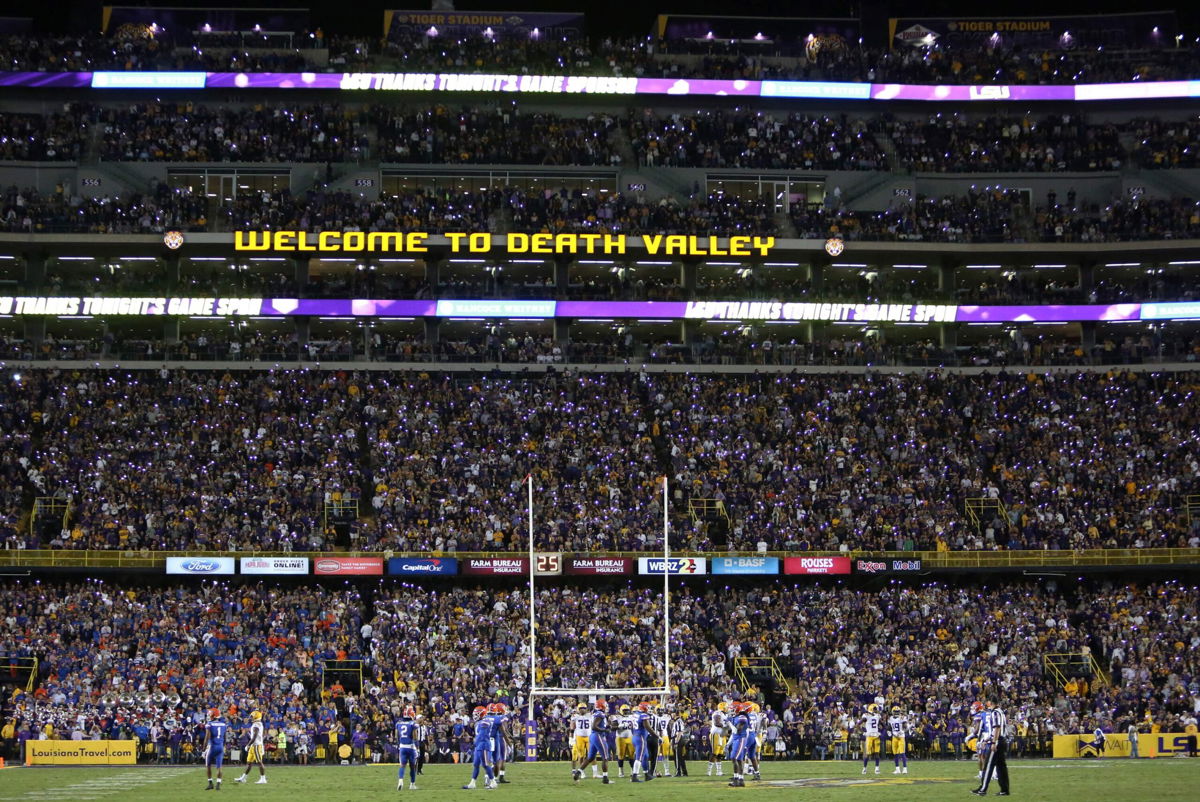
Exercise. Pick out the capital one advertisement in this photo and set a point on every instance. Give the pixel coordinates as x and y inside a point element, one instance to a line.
<point>816,565</point>
<point>416,566</point>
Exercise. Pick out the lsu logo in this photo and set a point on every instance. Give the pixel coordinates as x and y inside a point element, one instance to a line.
<point>990,93</point>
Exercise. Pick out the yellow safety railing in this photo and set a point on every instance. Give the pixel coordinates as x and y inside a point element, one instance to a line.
<point>23,665</point>
<point>50,507</point>
<point>1059,665</point>
<point>69,558</point>
<point>984,510</point>
<point>1191,506</point>
<point>743,666</point>
<point>703,509</point>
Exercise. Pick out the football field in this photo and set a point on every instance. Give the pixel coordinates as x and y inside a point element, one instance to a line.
<point>1070,781</point>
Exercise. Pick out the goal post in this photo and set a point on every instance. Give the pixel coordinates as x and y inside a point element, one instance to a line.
<point>662,691</point>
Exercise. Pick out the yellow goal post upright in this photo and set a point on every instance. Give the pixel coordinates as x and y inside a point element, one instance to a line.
<point>663,691</point>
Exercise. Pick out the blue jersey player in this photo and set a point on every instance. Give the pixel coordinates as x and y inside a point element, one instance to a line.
<point>214,746</point>
<point>406,747</point>
<point>640,724</point>
<point>498,712</point>
<point>483,748</point>
<point>736,749</point>
<point>597,743</point>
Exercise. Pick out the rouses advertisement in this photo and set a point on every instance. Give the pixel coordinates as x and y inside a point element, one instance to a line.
<point>410,566</point>
<point>887,566</point>
<point>274,565</point>
<point>200,566</point>
<point>745,565</point>
<point>816,565</point>
<point>495,566</point>
<point>679,565</point>
<point>361,566</point>
<point>592,566</point>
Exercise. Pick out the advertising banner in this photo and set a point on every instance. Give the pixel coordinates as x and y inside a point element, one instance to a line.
<point>745,565</point>
<point>495,566</point>
<point>887,566</point>
<point>274,565</point>
<point>1049,313</point>
<point>816,565</point>
<point>412,566</point>
<point>81,753</point>
<point>402,25</point>
<point>358,566</point>
<point>547,564</point>
<point>531,740</point>
<point>579,84</point>
<point>679,565</point>
<point>1146,29</point>
<point>1116,744</point>
<point>200,566</point>
<point>596,566</point>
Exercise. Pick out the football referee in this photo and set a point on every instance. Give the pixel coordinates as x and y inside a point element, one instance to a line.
<point>995,729</point>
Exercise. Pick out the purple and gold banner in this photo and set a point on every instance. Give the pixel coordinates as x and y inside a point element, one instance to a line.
<point>732,311</point>
<point>55,80</point>
<point>1048,314</point>
<point>597,85</point>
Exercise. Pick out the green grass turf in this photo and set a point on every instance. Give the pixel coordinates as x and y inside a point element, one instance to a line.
<point>1071,781</point>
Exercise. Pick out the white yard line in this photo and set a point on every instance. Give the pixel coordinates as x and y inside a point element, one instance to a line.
<point>100,787</point>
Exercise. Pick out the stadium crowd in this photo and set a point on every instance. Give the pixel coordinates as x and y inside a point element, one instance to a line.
<point>511,134</point>
<point>253,460</point>
<point>122,660</point>
<point>755,140</point>
<point>502,135</point>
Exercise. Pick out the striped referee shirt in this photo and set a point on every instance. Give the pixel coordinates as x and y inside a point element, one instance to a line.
<point>997,723</point>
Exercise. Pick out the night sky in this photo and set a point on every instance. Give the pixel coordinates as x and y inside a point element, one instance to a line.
<point>616,17</point>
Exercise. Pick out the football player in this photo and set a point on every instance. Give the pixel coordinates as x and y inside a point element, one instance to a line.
<point>870,734</point>
<point>978,725</point>
<point>898,730</point>
<point>214,746</point>
<point>641,725</point>
<point>718,731</point>
<point>583,729</point>
<point>753,733</point>
<point>406,747</point>
<point>597,743</point>
<point>499,713</point>
<point>624,727</point>
<point>736,749</point>
<point>254,751</point>
<point>482,756</point>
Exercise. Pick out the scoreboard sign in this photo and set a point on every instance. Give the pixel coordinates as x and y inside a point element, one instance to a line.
<point>548,564</point>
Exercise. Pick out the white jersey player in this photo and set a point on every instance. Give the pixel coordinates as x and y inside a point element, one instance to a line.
<point>898,733</point>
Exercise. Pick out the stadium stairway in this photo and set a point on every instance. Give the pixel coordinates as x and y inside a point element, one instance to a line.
<point>619,139</point>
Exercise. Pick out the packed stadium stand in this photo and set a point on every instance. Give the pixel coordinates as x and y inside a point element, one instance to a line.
<point>304,338</point>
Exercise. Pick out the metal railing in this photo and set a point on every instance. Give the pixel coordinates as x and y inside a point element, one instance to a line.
<point>746,668</point>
